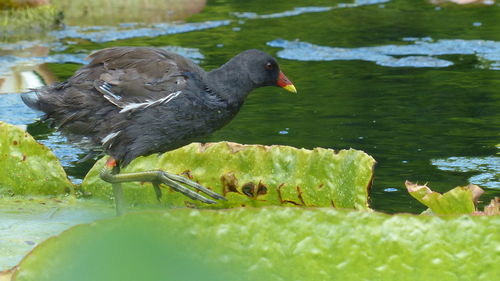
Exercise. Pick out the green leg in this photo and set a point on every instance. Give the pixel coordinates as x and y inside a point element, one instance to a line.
<point>111,174</point>
<point>119,200</point>
<point>157,189</point>
<point>118,192</point>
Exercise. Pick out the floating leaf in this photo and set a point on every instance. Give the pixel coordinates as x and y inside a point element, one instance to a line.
<point>6,275</point>
<point>273,243</point>
<point>254,175</point>
<point>26,222</point>
<point>27,166</point>
<point>460,200</point>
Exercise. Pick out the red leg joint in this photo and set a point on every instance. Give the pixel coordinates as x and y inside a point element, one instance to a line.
<point>111,163</point>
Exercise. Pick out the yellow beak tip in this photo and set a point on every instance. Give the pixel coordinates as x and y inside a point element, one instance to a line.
<point>290,88</point>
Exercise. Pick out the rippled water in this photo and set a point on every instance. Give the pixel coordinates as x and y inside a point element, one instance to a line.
<point>413,84</point>
<point>422,53</point>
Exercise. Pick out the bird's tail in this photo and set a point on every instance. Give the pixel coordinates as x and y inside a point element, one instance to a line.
<point>32,99</point>
<point>45,99</point>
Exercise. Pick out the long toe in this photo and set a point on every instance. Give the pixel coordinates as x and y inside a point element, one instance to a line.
<point>184,190</point>
<point>194,185</point>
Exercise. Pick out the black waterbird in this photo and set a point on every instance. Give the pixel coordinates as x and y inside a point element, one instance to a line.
<point>136,101</point>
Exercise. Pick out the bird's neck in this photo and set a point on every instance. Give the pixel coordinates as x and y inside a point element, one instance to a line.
<point>227,81</point>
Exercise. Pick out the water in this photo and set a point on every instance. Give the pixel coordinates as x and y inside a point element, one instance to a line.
<point>415,85</point>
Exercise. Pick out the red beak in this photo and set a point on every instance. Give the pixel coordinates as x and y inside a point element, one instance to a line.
<point>285,83</point>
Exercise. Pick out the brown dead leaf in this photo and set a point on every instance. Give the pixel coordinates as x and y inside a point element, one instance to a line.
<point>476,192</point>
<point>493,208</point>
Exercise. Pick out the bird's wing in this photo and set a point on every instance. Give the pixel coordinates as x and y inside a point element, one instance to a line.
<point>133,78</point>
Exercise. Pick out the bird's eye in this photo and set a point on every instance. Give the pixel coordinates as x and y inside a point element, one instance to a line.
<point>269,66</point>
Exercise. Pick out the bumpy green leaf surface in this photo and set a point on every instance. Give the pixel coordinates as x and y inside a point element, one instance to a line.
<point>28,167</point>
<point>459,200</point>
<point>26,222</point>
<point>273,243</point>
<point>254,175</point>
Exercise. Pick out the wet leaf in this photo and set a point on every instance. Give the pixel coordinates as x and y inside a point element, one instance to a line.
<point>6,275</point>
<point>27,221</point>
<point>272,243</point>
<point>460,200</point>
<point>254,175</point>
<point>27,166</point>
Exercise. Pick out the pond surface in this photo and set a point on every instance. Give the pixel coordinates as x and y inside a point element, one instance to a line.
<point>415,85</point>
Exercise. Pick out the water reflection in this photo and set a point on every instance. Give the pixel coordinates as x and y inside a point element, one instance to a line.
<point>101,34</point>
<point>25,76</point>
<point>18,72</point>
<point>305,10</point>
<point>107,12</point>
<point>486,169</point>
<point>421,53</point>
<point>463,2</point>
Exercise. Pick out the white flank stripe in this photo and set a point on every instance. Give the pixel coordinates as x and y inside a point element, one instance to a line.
<point>107,91</point>
<point>109,137</point>
<point>132,106</point>
<point>110,100</point>
<point>142,105</point>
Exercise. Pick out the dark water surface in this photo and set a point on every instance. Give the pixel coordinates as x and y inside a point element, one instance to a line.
<point>415,85</point>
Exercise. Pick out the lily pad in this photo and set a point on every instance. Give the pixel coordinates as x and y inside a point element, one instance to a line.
<point>460,200</point>
<point>27,221</point>
<point>27,166</point>
<point>253,175</point>
<point>270,243</point>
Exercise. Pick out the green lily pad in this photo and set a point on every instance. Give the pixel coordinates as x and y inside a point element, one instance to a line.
<point>253,175</point>
<point>28,221</point>
<point>460,200</point>
<point>270,243</point>
<point>27,166</point>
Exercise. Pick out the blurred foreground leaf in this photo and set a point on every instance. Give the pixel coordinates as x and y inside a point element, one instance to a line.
<point>273,243</point>
<point>28,221</point>
<point>28,167</point>
<point>254,175</point>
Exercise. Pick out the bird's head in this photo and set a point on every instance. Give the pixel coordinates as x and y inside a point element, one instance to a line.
<point>263,70</point>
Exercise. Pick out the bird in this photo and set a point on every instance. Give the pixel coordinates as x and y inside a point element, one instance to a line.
<point>136,101</point>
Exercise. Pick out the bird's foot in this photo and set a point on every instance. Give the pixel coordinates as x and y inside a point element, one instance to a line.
<point>176,182</point>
